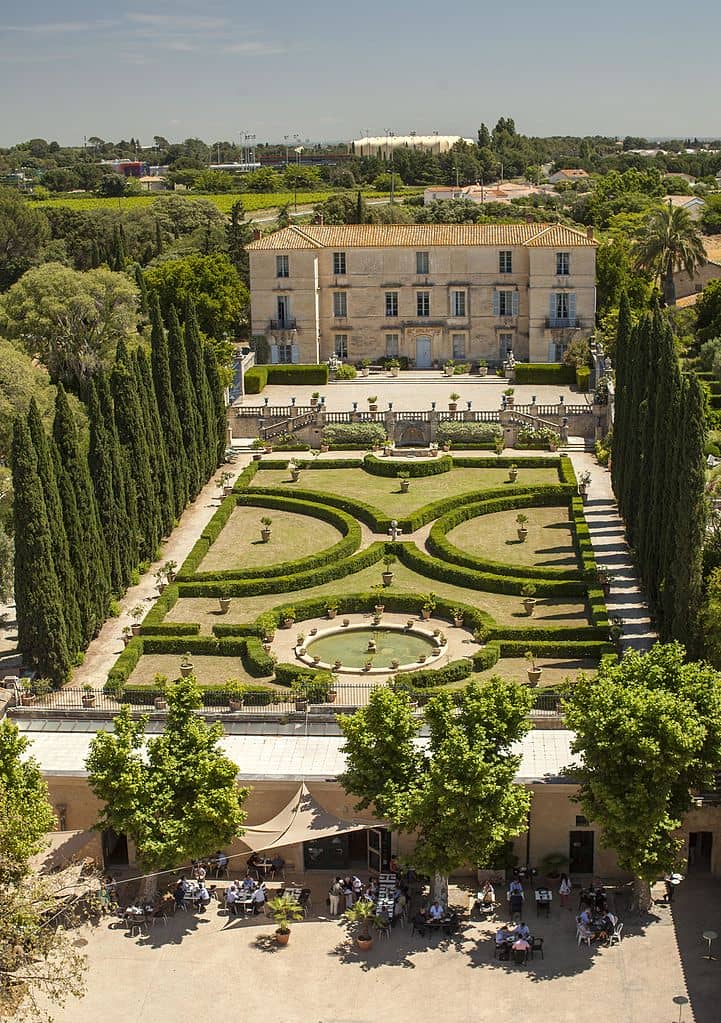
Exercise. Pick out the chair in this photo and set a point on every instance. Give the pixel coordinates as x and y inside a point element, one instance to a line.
<point>520,956</point>
<point>418,927</point>
<point>536,946</point>
<point>584,935</point>
<point>616,936</point>
<point>384,928</point>
<point>305,902</point>
<point>158,914</point>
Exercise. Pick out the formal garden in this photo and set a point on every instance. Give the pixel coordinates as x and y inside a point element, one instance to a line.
<point>449,567</point>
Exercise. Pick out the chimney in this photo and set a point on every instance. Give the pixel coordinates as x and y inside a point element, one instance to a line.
<point>530,219</point>
<point>589,233</point>
<point>256,234</point>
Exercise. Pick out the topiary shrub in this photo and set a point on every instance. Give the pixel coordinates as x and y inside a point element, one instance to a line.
<point>361,435</point>
<point>345,372</point>
<point>544,373</point>
<point>457,432</point>
<point>255,379</point>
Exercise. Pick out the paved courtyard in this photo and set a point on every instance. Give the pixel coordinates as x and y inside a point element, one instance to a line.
<point>212,968</point>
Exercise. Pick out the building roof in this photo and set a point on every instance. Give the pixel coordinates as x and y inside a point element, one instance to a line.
<point>394,141</point>
<point>419,236</point>
<point>276,754</point>
<point>712,244</point>
<point>572,172</point>
<point>683,200</point>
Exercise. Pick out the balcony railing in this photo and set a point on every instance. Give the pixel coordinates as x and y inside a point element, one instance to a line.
<point>282,324</point>
<point>556,322</point>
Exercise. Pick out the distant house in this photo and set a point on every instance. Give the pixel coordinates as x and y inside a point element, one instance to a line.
<point>687,288</point>
<point>152,183</point>
<point>691,203</point>
<point>497,192</point>
<point>568,174</point>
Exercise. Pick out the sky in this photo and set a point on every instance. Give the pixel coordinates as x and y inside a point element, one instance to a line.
<point>331,71</point>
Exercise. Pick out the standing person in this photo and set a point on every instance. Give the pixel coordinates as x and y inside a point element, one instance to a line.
<point>258,899</point>
<point>334,896</point>
<point>564,892</point>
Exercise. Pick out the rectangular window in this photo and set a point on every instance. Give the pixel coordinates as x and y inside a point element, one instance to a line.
<point>282,306</point>
<point>341,346</point>
<point>505,261</point>
<point>506,343</point>
<point>340,303</point>
<point>422,263</point>
<point>562,306</point>
<point>459,346</point>
<point>391,346</point>
<point>423,303</point>
<point>285,353</point>
<point>458,303</point>
<point>563,264</point>
<point>282,268</point>
<point>562,309</point>
<point>391,303</point>
<point>505,303</point>
<point>339,263</point>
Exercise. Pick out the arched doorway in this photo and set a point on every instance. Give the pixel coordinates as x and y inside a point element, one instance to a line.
<point>423,352</point>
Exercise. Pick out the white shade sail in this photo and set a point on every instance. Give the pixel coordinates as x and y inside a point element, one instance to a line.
<point>303,819</point>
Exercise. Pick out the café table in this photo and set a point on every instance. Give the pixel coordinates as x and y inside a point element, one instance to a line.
<point>544,898</point>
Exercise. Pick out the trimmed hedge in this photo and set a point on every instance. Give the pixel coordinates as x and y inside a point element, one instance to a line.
<point>544,373</point>
<point>256,661</point>
<point>583,378</point>
<point>414,469</point>
<point>486,657</point>
<point>454,671</point>
<point>214,695</point>
<point>125,664</point>
<point>593,649</point>
<point>255,379</point>
<point>156,615</point>
<point>353,435</point>
<point>468,433</point>
<point>292,375</point>
<point>551,633</point>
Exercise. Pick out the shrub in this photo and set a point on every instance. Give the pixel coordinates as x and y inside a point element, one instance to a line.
<point>361,435</point>
<point>487,657</point>
<point>298,375</point>
<point>471,433</point>
<point>255,379</point>
<point>544,373</point>
<point>583,378</point>
<point>543,437</point>
<point>414,470</point>
<point>256,661</point>
<point>346,373</point>
<point>454,671</point>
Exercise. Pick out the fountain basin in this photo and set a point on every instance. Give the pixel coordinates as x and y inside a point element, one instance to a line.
<point>393,642</point>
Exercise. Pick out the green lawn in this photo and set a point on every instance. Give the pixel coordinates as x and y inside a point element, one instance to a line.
<point>209,670</point>
<point>549,543</point>
<point>293,536</point>
<point>384,493</point>
<point>505,609</point>
<point>556,671</point>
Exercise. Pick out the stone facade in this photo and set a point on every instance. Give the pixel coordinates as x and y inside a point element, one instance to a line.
<point>426,292</point>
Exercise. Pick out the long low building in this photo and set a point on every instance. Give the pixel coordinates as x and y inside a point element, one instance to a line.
<point>427,292</point>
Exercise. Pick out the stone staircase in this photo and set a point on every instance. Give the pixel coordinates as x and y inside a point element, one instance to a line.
<point>578,444</point>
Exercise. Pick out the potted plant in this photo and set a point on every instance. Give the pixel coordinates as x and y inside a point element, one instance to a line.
<point>294,471</point>
<point>522,529</point>
<point>127,634</point>
<point>379,609</point>
<point>512,473</point>
<point>331,608</point>
<point>160,580</point>
<point>410,623</point>
<point>345,623</point>
<point>224,599</point>
<point>373,403</point>
<point>443,639</point>
<point>337,664</point>
<point>422,658</point>
<point>388,448</point>
<point>314,398</point>
<point>365,368</point>
<point>88,696</point>
<point>405,481</point>
<point>236,694</point>
<point>528,592</point>
<point>453,402</point>
<point>394,366</point>
<point>508,393</point>
<point>499,446</point>
<point>285,910</point>
<point>448,368</point>
<point>446,445</point>
<point>300,695</point>
<point>159,683</point>
<point>288,617</point>
<point>324,447</point>
<point>457,614</point>
<point>533,672</point>
<point>362,916</point>
<point>265,524</point>
<point>300,639</point>
<point>482,368</point>
<point>136,613</point>
<point>387,575</point>
<point>169,568</point>
<point>429,606</point>
<point>584,481</point>
<point>616,630</point>
<point>224,483</point>
<point>186,664</point>
<point>267,624</point>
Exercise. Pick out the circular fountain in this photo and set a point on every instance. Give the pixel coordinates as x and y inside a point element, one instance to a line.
<point>377,650</point>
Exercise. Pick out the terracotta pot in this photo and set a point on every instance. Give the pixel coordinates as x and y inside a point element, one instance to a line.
<point>324,448</point>
<point>295,475</point>
<point>186,670</point>
<point>405,485</point>
<point>452,406</point>
<point>364,944</point>
<point>458,622</point>
<point>522,534</point>
<point>288,623</point>
<point>332,696</point>
<point>387,578</point>
<point>421,658</point>
<point>512,475</point>
<point>224,605</point>
<point>395,663</point>
<point>529,603</point>
<point>379,609</point>
<point>235,705</point>
<point>372,407</point>
<point>257,455</point>
<point>89,700</point>
<point>160,703</point>
<point>27,699</point>
<point>331,612</point>
<point>482,371</point>
<point>282,937</point>
<point>426,612</point>
<point>337,665</point>
<point>265,535</point>
<point>534,676</point>
<point>135,628</point>
<point>227,491</point>
<point>301,706</point>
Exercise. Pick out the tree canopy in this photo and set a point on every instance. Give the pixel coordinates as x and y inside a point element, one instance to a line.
<point>23,232</point>
<point>211,282</point>
<point>180,799</point>
<point>670,241</point>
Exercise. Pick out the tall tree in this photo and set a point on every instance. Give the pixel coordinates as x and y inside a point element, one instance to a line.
<point>217,394</point>
<point>167,408</point>
<point>624,362</point>
<point>207,426</point>
<point>670,242</point>
<point>142,290</point>
<point>58,536</point>
<point>123,486</point>
<point>648,732</point>
<point>184,400</point>
<point>457,793</point>
<point>156,441</point>
<point>41,624</point>
<point>82,522</point>
<point>177,798</point>
<point>100,464</point>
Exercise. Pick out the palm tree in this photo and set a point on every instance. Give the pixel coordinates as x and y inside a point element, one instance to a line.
<point>671,241</point>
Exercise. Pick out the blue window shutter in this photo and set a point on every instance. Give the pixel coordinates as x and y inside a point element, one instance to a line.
<point>552,305</point>
<point>496,304</point>
<point>514,303</point>
<point>572,306</point>
<point>294,353</point>
<point>274,354</point>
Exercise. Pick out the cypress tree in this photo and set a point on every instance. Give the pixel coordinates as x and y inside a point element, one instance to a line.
<point>686,570</point>
<point>623,364</point>
<point>184,400</point>
<point>118,256</point>
<point>131,431</point>
<point>123,489</point>
<point>42,637</point>
<point>95,257</point>
<point>100,464</point>
<point>82,522</point>
<point>158,238</point>
<point>650,451</point>
<point>167,409</point>
<point>143,289</point>
<point>58,537</point>
<point>207,428</point>
<point>217,395</point>
<point>156,441</point>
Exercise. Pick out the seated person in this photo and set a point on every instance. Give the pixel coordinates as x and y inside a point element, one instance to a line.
<point>231,894</point>
<point>221,863</point>
<point>253,861</point>
<point>521,949</point>
<point>436,911</point>
<point>394,866</point>
<point>586,918</point>
<point>523,931</point>
<point>502,941</point>
<point>203,897</point>
<point>488,895</point>
<point>277,863</point>
<point>420,921</point>
<point>248,883</point>
<point>357,886</point>
<point>606,927</point>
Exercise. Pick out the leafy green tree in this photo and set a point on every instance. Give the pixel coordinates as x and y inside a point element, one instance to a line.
<point>283,218</point>
<point>239,234</point>
<point>38,961</point>
<point>23,233</point>
<point>648,732</point>
<point>457,793</point>
<point>708,312</point>
<point>58,536</point>
<point>82,522</point>
<point>671,241</point>
<point>111,186</point>
<point>167,409</point>
<point>184,401</point>
<point>42,638</point>
<point>711,215</point>
<point>7,556</point>
<point>142,290</point>
<point>178,799</point>
<point>214,181</point>
<point>71,321</point>
<point>221,299</point>
<point>20,381</point>
<point>123,485</point>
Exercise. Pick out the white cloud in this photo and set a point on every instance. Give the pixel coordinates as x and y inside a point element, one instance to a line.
<point>192,23</point>
<point>255,49</point>
<point>54,27</point>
